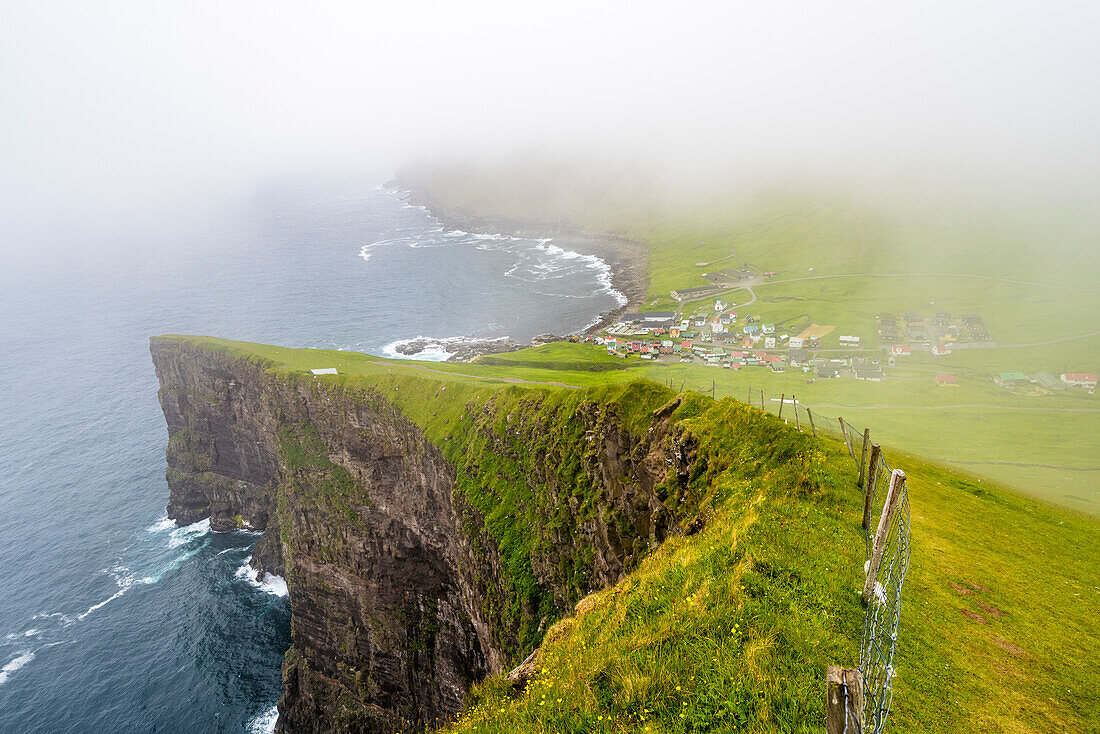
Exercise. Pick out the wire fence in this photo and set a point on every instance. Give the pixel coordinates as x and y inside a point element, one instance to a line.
<point>886,541</point>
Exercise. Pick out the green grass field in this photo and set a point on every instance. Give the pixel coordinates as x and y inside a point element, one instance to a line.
<point>731,629</point>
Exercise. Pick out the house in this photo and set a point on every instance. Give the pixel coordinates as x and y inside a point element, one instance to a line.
<point>827,371</point>
<point>849,341</point>
<point>797,357</point>
<point>1010,380</point>
<point>769,342</point>
<point>768,328</point>
<point>753,329</point>
<point>685,345</point>
<point>941,350</point>
<point>674,332</point>
<point>871,373</point>
<point>946,381</point>
<point>1079,379</point>
<point>901,350</point>
<point>796,342</point>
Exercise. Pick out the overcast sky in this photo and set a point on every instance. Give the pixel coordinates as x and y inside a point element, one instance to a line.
<point>108,106</point>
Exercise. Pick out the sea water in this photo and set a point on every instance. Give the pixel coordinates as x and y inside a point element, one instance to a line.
<point>112,619</point>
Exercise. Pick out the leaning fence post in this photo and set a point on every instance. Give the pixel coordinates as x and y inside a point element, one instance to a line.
<point>844,432</point>
<point>843,700</point>
<point>782,399</point>
<point>872,478</point>
<point>897,486</point>
<point>761,400</point>
<point>797,424</point>
<point>813,428</point>
<point>863,455</point>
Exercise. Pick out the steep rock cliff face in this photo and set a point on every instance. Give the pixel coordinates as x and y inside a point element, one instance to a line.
<point>413,571</point>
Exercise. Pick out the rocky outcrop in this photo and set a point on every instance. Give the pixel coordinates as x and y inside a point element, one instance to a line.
<point>403,589</point>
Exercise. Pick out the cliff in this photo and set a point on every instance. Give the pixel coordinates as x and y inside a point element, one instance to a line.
<point>417,564</point>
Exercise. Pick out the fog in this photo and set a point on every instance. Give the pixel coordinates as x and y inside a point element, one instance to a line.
<point>122,109</point>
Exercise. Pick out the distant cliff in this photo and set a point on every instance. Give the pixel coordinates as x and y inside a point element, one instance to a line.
<point>417,566</point>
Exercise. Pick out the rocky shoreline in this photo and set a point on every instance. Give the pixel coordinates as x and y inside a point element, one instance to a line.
<point>626,258</point>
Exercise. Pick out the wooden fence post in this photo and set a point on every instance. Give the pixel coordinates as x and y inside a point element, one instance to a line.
<point>782,400</point>
<point>797,425</point>
<point>813,428</point>
<point>712,389</point>
<point>863,455</point>
<point>843,700</point>
<point>844,432</point>
<point>761,400</point>
<point>897,486</point>
<point>872,478</point>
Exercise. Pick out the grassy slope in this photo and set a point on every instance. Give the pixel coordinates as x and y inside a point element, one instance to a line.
<point>735,625</point>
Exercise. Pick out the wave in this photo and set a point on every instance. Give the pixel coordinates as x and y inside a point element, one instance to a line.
<point>162,524</point>
<point>265,722</point>
<point>272,584</point>
<point>20,660</point>
<point>435,349</point>
<point>187,533</point>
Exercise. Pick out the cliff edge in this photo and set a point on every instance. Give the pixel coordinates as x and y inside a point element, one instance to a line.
<point>416,566</point>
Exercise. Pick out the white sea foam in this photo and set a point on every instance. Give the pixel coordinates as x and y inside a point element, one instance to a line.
<point>272,584</point>
<point>22,659</point>
<point>103,603</point>
<point>265,722</point>
<point>436,349</point>
<point>184,535</point>
<point>162,524</point>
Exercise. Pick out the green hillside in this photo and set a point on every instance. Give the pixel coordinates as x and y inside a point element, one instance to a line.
<point>731,628</point>
<point>842,254</point>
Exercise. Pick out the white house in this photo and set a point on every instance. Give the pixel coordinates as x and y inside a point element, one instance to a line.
<point>849,341</point>
<point>796,342</point>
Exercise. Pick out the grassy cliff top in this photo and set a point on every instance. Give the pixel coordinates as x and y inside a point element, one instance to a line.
<point>731,629</point>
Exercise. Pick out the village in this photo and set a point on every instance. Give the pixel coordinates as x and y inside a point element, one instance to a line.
<point>720,338</point>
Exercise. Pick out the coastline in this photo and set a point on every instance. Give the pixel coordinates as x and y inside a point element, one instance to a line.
<point>626,258</point>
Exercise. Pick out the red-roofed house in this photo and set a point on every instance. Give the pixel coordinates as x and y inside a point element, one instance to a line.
<point>685,345</point>
<point>1079,379</point>
<point>901,350</point>
<point>945,380</point>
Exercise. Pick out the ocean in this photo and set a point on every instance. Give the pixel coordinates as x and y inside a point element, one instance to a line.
<point>112,619</point>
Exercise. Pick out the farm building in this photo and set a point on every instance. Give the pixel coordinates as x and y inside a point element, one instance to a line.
<point>1011,379</point>
<point>870,373</point>
<point>1049,381</point>
<point>1079,379</point>
<point>849,341</point>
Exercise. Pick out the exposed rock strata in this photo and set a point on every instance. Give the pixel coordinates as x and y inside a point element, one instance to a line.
<point>393,575</point>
